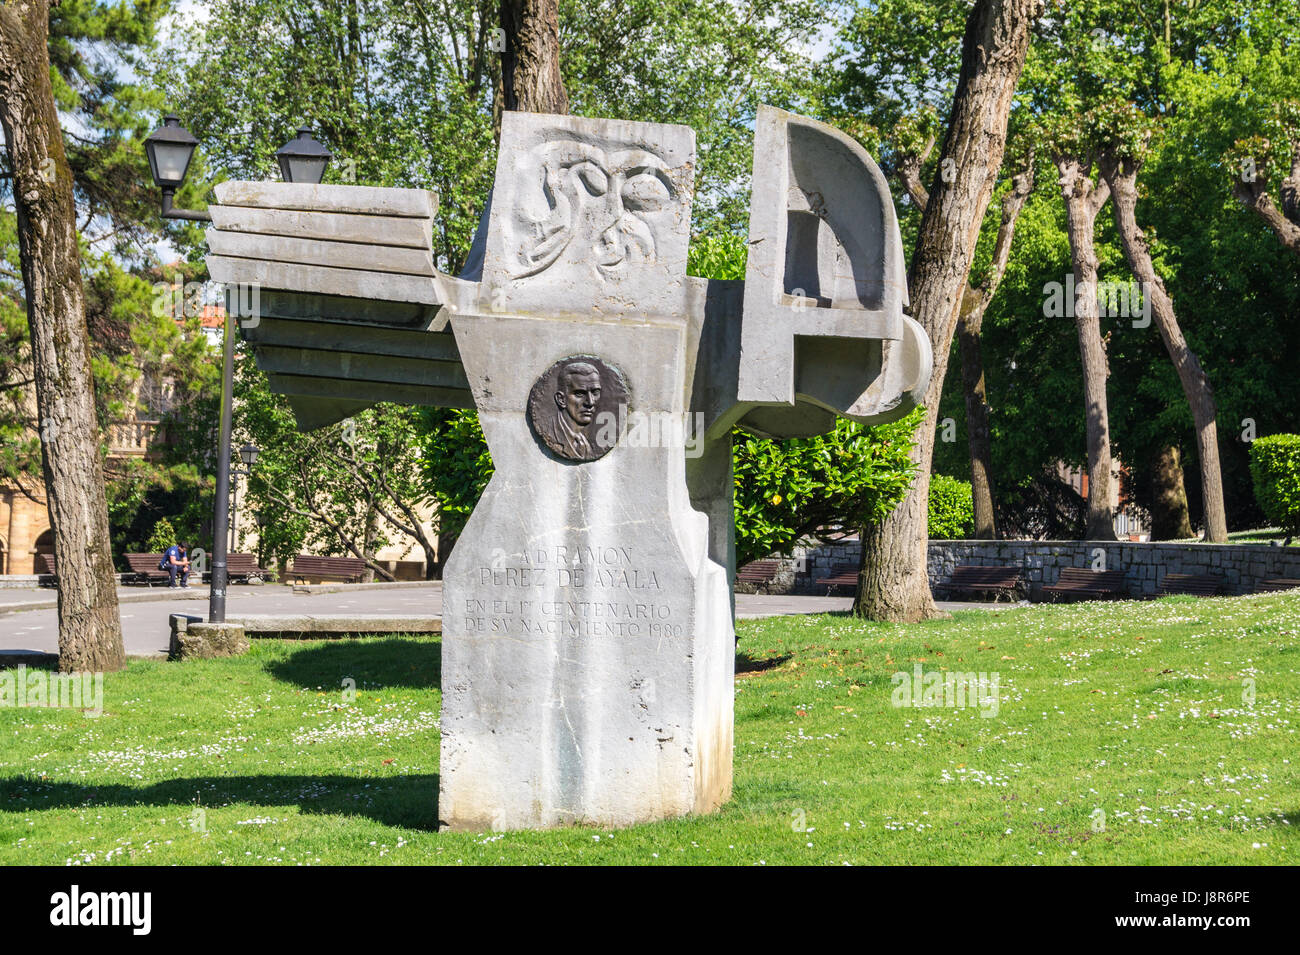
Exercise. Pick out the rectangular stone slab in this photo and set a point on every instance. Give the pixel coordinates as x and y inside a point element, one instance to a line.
<point>350,367</point>
<point>370,392</point>
<point>345,255</point>
<point>361,339</point>
<point>364,200</point>
<point>339,226</point>
<point>343,309</point>
<point>330,281</point>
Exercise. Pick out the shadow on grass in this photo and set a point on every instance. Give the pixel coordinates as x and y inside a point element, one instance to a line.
<point>412,663</point>
<point>410,802</point>
<point>747,664</point>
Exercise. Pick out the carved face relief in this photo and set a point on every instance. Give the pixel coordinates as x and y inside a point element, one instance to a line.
<point>574,408</point>
<point>598,207</point>
<point>589,217</point>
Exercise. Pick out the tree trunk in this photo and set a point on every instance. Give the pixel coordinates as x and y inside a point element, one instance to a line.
<point>1169,516</point>
<point>90,632</point>
<point>892,583</point>
<point>531,81</point>
<point>977,425</point>
<point>1122,176</point>
<point>1082,203</point>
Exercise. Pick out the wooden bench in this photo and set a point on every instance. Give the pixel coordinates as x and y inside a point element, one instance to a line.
<point>45,565</point>
<point>347,569</point>
<point>1198,585</point>
<point>1277,583</point>
<point>1088,584</point>
<point>758,573</point>
<point>144,569</point>
<point>984,579</point>
<point>840,577</point>
<point>243,567</point>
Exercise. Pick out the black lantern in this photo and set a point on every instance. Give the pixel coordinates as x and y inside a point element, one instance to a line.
<point>302,159</point>
<point>170,148</point>
<point>248,453</point>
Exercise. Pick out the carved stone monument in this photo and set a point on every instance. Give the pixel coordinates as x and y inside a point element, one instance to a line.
<point>588,646</point>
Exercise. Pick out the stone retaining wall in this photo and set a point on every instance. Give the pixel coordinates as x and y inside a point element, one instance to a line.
<point>1242,566</point>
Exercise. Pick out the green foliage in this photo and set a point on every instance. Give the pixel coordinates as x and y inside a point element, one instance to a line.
<point>788,490</point>
<point>457,464</point>
<point>1275,468</point>
<point>163,536</point>
<point>952,509</point>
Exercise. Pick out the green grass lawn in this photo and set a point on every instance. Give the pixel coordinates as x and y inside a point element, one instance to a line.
<point>1122,735</point>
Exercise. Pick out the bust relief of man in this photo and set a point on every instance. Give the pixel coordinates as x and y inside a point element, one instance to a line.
<point>565,406</point>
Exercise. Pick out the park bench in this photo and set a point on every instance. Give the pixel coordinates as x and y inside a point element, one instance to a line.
<point>243,567</point>
<point>758,573</point>
<point>841,576</point>
<point>347,569</point>
<point>1277,583</point>
<point>1199,585</point>
<point>984,579</point>
<point>144,569</point>
<point>1088,584</point>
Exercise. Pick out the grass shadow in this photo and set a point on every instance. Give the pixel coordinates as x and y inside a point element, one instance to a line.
<point>747,664</point>
<point>410,802</point>
<point>395,662</point>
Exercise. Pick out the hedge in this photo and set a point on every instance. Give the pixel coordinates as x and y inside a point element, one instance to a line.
<point>952,509</point>
<point>1275,470</point>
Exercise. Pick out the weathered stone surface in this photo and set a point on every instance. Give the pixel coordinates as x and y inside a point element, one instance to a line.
<point>342,255</point>
<point>365,200</point>
<point>203,641</point>
<point>589,218</point>
<point>336,226</point>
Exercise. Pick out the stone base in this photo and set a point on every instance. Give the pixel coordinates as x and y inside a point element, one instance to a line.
<point>204,641</point>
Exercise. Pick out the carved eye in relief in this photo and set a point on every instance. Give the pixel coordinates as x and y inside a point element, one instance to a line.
<point>646,190</point>
<point>592,177</point>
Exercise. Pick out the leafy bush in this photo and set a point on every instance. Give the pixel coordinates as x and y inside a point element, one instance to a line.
<point>952,509</point>
<point>788,490</point>
<point>1275,470</point>
<point>163,536</point>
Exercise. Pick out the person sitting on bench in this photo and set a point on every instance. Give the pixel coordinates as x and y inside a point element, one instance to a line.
<point>176,561</point>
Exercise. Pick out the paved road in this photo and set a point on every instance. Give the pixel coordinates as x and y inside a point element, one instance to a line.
<point>145,613</point>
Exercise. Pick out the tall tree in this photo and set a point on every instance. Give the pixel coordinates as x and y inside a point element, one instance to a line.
<point>1084,200</point>
<point>1121,159</point>
<point>892,580</point>
<point>90,635</point>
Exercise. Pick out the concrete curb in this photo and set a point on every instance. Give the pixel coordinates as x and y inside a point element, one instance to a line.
<point>307,626</point>
<point>382,585</point>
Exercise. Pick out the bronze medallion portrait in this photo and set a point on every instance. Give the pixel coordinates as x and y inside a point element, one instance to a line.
<point>574,408</point>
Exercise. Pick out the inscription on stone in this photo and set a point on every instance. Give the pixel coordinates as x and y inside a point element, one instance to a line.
<point>574,408</point>
<point>605,592</point>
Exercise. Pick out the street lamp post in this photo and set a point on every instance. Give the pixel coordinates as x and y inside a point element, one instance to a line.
<point>170,148</point>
